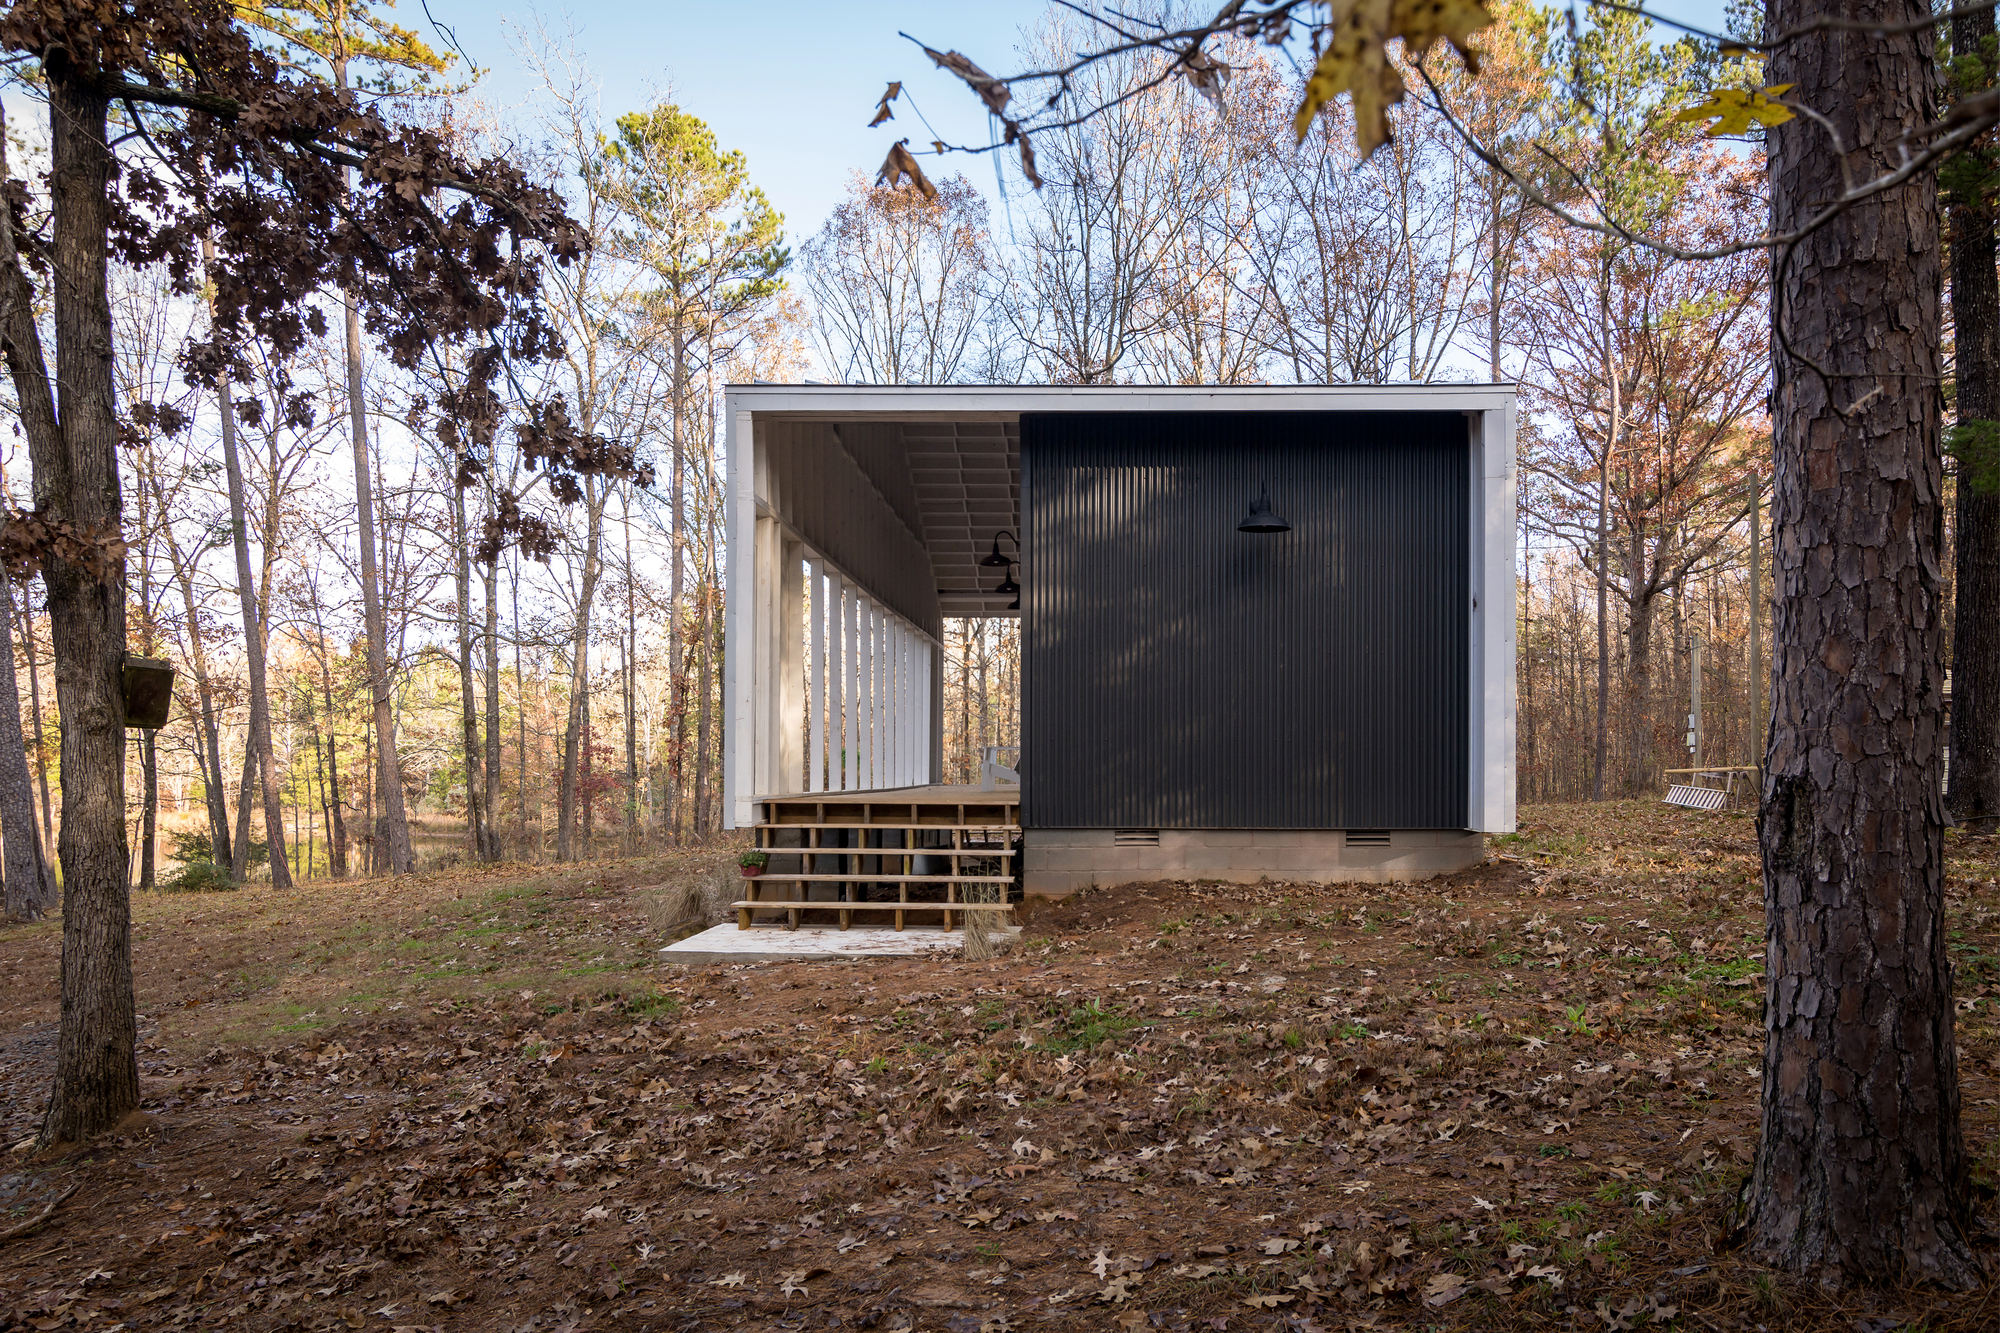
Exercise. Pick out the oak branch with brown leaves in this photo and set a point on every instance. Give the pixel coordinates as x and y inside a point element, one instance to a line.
<point>167,127</point>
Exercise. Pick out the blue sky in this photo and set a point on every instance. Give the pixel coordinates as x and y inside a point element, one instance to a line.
<point>792,83</point>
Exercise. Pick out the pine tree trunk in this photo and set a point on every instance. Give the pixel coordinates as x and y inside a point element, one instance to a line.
<point>30,888</point>
<point>704,687</point>
<point>260,758</point>
<point>1974,797</point>
<point>75,455</point>
<point>1604,544</point>
<point>677,666</point>
<point>1860,1174</point>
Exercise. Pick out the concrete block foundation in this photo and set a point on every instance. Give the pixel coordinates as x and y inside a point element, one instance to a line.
<point>1057,862</point>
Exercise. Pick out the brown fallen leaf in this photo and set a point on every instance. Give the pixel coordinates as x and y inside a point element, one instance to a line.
<point>1443,1289</point>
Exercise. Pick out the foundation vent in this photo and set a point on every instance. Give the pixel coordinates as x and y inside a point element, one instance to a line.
<point>1368,837</point>
<point>1135,837</point>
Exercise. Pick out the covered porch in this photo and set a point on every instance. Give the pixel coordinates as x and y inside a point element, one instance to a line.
<point>1155,635</point>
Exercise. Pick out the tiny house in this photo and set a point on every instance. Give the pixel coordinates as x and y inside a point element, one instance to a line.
<point>1266,632</point>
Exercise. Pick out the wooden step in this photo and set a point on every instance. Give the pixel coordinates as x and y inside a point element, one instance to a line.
<point>748,908</point>
<point>973,853</point>
<point>893,825</point>
<point>883,879</point>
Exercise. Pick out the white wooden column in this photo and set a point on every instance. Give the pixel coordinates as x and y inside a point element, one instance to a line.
<point>881,646</point>
<point>850,732</point>
<point>906,715</point>
<point>864,712</point>
<point>816,691</point>
<point>763,560</point>
<point>928,709</point>
<point>894,748</point>
<point>739,682</point>
<point>788,701</point>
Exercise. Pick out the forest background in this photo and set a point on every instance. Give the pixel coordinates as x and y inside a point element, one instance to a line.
<point>563,701</point>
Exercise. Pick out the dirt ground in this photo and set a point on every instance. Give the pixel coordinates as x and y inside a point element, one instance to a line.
<point>1520,1097</point>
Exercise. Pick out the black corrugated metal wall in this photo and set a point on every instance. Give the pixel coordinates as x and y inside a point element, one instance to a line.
<point>1177,673</point>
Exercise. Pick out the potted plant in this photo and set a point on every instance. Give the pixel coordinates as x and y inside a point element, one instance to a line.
<point>753,862</point>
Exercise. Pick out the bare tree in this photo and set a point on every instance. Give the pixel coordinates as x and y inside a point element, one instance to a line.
<point>899,280</point>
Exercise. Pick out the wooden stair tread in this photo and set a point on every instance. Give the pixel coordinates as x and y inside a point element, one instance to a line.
<point>834,876</point>
<point>969,853</point>
<point>822,905</point>
<point>946,827</point>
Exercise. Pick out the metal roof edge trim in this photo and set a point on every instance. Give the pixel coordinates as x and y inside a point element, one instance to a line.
<point>1006,401</point>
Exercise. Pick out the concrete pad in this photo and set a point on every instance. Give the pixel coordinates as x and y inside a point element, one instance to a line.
<point>775,944</point>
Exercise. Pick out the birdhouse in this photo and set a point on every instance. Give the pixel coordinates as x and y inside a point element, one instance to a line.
<point>149,692</point>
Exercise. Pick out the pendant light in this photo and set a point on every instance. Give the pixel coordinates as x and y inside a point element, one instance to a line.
<point>1260,518</point>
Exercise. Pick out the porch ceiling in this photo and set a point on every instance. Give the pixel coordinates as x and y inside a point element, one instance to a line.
<point>968,483</point>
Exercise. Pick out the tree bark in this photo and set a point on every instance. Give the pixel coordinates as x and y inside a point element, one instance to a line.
<point>475,795</point>
<point>491,577</point>
<point>393,837</point>
<point>74,450</point>
<point>1860,1174</point>
<point>628,649</point>
<point>35,716</point>
<point>1974,795</point>
<point>337,830</point>
<point>208,744</point>
<point>1604,542</point>
<point>149,808</point>
<point>579,665</point>
<point>260,755</point>
<point>30,888</point>
<point>677,667</point>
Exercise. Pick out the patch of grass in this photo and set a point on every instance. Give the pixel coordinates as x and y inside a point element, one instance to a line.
<point>1084,1027</point>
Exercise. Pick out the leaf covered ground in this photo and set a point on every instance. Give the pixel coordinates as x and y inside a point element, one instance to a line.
<point>1519,1097</point>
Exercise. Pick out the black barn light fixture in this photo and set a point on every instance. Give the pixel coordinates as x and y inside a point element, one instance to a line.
<point>1260,518</point>
<point>994,560</point>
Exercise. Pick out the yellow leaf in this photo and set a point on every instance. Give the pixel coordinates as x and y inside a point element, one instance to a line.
<point>1421,22</point>
<point>1355,61</point>
<point>1355,57</point>
<point>1734,111</point>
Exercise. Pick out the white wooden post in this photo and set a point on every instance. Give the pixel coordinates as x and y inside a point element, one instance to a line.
<point>881,646</point>
<point>851,717</point>
<point>895,765</point>
<point>906,707</point>
<point>788,701</point>
<point>739,771</point>
<point>816,692</point>
<point>864,713</point>
<point>837,692</point>
<point>763,560</point>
